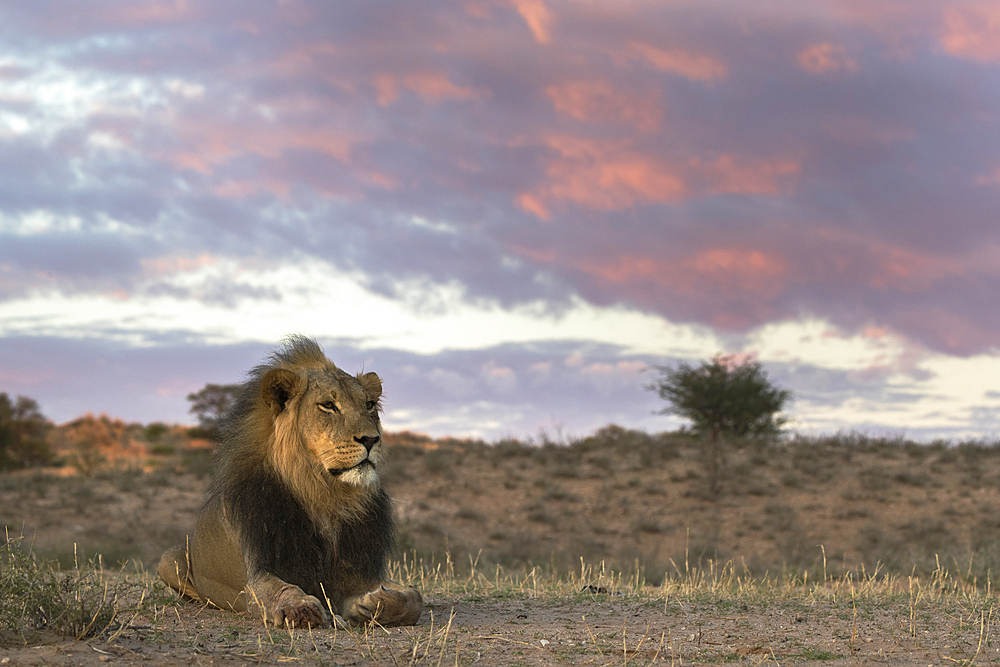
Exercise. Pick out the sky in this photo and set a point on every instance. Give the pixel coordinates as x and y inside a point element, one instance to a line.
<point>513,211</point>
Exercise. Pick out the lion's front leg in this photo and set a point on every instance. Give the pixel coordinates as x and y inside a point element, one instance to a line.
<point>281,604</point>
<point>390,604</point>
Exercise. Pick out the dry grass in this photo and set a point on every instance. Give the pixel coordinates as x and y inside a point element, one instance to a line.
<point>38,598</point>
<point>592,615</point>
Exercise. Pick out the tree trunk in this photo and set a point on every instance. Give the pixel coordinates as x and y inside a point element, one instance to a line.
<point>714,463</point>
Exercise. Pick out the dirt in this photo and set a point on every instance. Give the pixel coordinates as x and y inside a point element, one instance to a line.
<point>606,631</point>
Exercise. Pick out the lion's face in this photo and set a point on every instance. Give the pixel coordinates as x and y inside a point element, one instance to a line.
<point>335,416</point>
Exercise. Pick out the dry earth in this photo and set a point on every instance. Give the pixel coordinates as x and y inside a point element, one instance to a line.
<point>621,497</point>
<point>572,630</point>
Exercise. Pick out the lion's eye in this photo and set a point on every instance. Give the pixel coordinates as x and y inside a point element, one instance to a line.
<point>328,406</point>
<point>370,405</point>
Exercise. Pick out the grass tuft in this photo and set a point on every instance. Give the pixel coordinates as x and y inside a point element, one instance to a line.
<point>36,598</point>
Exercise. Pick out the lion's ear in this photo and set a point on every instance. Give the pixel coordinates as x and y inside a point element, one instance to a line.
<point>372,385</point>
<point>278,387</point>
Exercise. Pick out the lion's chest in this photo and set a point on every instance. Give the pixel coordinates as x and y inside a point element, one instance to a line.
<point>278,536</point>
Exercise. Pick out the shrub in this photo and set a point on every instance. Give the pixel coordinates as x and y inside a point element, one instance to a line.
<point>510,448</point>
<point>646,524</point>
<point>875,478</point>
<point>440,462</point>
<point>470,515</point>
<point>781,517</point>
<point>155,431</point>
<point>912,478</point>
<point>23,432</point>
<point>197,460</point>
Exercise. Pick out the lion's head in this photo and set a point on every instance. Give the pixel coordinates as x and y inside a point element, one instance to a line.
<point>332,415</point>
<point>313,425</point>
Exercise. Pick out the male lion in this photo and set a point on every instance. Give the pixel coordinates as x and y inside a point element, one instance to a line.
<point>296,525</point>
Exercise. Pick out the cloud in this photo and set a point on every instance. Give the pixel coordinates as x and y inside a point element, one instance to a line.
<point>669,178</point>
<point>825,57</point>
<point>602,175</point>
<point>432,86</point>
<point>694,66</point>
<point>502,379</point>
<point>972,30</point>
<point>538,17</point>
<point>598,101</point>
<point>446,394</point>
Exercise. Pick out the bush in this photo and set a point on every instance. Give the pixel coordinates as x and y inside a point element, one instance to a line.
<point>23,433</point>
<point>197,461</point>
<point>441,462</point>
<point>155,431</point>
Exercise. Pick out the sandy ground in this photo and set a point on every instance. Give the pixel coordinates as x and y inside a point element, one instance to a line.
<point>585,630</point>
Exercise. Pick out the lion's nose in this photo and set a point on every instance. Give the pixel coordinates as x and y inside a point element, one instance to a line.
<point>368,441</point>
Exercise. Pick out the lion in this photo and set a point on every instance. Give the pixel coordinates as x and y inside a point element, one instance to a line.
<point>297,527</point>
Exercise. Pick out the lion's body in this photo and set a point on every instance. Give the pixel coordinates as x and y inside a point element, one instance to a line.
<point>296,524</point>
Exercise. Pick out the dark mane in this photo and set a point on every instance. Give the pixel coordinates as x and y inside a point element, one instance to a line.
<point>267,514</point>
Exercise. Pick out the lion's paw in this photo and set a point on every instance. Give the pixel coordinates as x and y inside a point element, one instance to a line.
<point>298,610</point>
<point>387,605</point>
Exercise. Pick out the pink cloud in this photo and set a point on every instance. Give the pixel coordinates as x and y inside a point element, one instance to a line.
<point>728,174</point>
<point>531,203</point>
<point>501,378</point>
<point>943,328</point>
<point>824,58</point>
<point>694,66</point>
<point>305,58</point>
<point>538,17</point>
<point>992,178</point>
<point>739,285</point>
<point>433,87</point>
<point>602,175</point>
<point>207,146</point>
<point>243,188</point>
<point>722,268</point>
<point>972,30</point>
<point>609,176</point>
<point>883,265</point>
<point>149,13</point>
<point>598,100</point>
<point>436,86</point>
<point>387,88</point>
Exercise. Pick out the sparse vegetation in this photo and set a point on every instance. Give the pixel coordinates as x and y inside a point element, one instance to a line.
<point>36,597</point>
<point>879,502</point>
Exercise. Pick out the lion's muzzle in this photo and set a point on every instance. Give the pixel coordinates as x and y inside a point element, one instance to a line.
<point>337,472</point>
